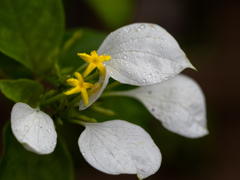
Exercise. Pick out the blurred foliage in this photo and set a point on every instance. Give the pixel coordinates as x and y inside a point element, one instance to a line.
<point>35,27</point>
<point>75,41</point>
<point>22,90</point>
<point>114,14</point>
<point>19,164</point>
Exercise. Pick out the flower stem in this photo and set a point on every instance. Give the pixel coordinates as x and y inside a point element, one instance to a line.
<point>107,112</point>
<point>93,76</point>
<point>81,68</point>
<point>112,85</point>
<point>53,99</point>
<point>77,122</point>
<point>113,93</point>
<point>72,104</point>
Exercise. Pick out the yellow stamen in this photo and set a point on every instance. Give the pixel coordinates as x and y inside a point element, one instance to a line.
<point>94,61</point>
<point>80,86</point>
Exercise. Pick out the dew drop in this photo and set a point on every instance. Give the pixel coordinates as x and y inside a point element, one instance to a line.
<point>153,29</point>
<point>124,57</point>
<point>25,127</point>
<point>49,130</point>
<point>152,109</point>
<point>130,39</point>
<point>144,80</point>
<point>149,75</point>
<point>142,26</point>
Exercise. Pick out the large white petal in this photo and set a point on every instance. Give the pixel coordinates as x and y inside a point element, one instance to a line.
<point>119,147</point>
<point>143,54</point>
<point>33,128</point>
<point>103,82</point>
<point>178,103</point>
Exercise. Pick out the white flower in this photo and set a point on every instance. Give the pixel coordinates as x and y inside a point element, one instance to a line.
<point>178,103</point>
<point>119,147</point>
<point>141,54</point>
<point>33,128</point>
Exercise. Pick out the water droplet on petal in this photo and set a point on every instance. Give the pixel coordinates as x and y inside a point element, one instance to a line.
<point>130,39</point>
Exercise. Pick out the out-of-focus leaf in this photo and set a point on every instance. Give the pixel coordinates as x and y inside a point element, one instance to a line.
<point>9,68</point>
<point>19,164</point>
<point>125,108</point>
<point>22,90</point>
<point>87,41</point>
<point>113,13</point>
<point>31,31</point>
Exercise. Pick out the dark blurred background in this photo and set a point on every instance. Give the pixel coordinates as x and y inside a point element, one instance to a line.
<point>209,34</point>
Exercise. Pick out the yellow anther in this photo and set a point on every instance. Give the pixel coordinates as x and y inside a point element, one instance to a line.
<point>94,61</point>
<point>80,86</point>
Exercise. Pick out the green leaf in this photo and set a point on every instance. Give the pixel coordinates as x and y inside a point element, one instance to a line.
<point>125,108</point>
<point>31,31</point>
<point>11,69</point>
<point>115,13</point>
<point>87,41</point>
<point>20,164</point>
<point>22,90</point>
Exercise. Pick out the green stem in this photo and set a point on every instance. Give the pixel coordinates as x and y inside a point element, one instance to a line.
<point>91,77</point>
<point>72,104</point>
<point>113,93</point>
<point>113,85</point>
<point>81,68</point>
<point>53,99</point>
<point>77,122</point>
<point>107,112</point>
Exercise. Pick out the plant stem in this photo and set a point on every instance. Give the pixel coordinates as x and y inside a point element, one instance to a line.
<point>93,76</point>
<point>113,93</point>
<point>53,99</point>
<point>72,104</point>
<point>81,68</point>
<point>77,122</point>
<point>113,85</point>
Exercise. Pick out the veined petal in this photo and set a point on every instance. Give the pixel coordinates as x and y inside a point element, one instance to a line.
<point>33,128</point>
<point>74,90</point>
<point>84,95</point>
<point>119,147</point>
<point>79,77</point>
<point>101,68</point>
<point>95,95</point>
<point>143,54</point>
<point>87,58</point>
<point>89,69</point>
<point>178,103</point>
<point>72,82</point>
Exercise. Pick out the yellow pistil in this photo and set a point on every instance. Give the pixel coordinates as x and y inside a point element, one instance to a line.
<point>94,61</point>
<point>80,86</point>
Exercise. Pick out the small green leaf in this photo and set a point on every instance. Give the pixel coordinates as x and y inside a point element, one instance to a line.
<point>115,13</point>
<point>31,31</point>
<point>87,41</point>
<point>20,164</point>
<point>21,90</point>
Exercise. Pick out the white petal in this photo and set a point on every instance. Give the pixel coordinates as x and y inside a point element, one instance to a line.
<point>33,128</point>
<point>178,103</point>
<point>119,147</point>
<point>143,54</point>
<point>92,98</point>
